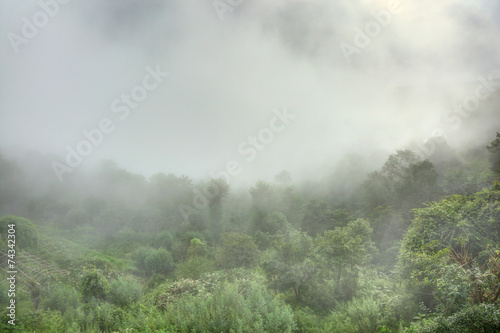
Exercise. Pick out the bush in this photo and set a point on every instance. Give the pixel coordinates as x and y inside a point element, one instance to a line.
<point>195,267</point>
<point>150,261</point>
<point>358,315</point>
<point>93,285</point>
<point>237,250</point>
<point>229,310</point>
<point>102,317</point>
<point>306,320</point>
<point>61,298</point>
<point>207,284</point>
<point>481,318</point>
<point>124,291</point>
<point>446,251</point>
<point>197,248</point>
<point>163,239</point>
<point>25,231</point>
<point>274,222</point>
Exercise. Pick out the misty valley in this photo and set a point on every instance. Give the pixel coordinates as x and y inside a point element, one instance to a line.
<point>279,166</point>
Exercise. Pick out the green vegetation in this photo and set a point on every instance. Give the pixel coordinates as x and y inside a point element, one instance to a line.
<point>411,247</point>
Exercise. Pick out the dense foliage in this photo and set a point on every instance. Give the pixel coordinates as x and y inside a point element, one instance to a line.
<point>412,245</point>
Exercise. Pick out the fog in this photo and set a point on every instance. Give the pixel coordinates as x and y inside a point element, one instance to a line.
<point>230,72</point>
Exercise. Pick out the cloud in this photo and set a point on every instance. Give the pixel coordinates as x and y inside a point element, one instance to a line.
<point>227,77</point>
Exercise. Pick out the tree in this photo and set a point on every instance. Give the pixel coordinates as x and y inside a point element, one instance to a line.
<point>291,266</point>
<point>396,166</point>
<point>93,285</point>
<point>272,223</point>
<point>197,248</point>
<point>283,178</point>
<point>432,256</point>
<point>494,149</point>
<point>215,201</point>
<point>124,291</point>
<point>418,185</point>
<point>319,216</point>
<point>263,202</point>
<point>470,177</point>
<point>237,250</point>
<point>404,182</point>
<point>344,248</point>
<point>167,193</point>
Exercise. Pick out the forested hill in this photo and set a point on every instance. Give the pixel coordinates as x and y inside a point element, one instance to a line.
<point>413,246</point>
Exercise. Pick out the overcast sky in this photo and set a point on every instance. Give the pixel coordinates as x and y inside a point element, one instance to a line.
<point>228,74</point>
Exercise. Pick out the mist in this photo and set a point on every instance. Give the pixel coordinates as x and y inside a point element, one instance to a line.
<point>231,69</point>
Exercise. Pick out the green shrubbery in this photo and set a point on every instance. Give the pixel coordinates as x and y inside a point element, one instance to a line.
<point>124,291</point>
<point>229,310</point>
<point>60,297</point>
<point>149,261</point>
<point>482,318</point>
<point>26,233</point>
<point>310,266</point>
<point>195,267</point>
<point>237,250</point>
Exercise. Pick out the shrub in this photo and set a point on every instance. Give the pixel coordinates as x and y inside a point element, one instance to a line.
<point>124,291</point>
<point>149,261</point>
<point>61,298</point>
<point>195,267</point>
<point>93,285</point>
<point>481,318</point>
<point>197,248</point>
<point>229,310</point>
<point>102,317</point>
<point>306,320</point>
<point>237,250</point>
<point>358,315</point>
<point>25,231</point>
<point>163,239</point>
<point>203,286</point>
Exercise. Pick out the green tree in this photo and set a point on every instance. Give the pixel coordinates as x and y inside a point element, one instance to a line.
<point>470,177</point>
<point>93,285</point>
<point>404,182</point>
<point>237,250</point>
<point>344,248</point>
<point>166,194</point>
<point>478,318</point>
<point>274,222</point>
<point>215,206</point>
<point>494,149</point>
<point>319,216</point>
<point>290,265</point>
<point>197,248</point>
<point>455,227</point>
<point>418,185</point>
